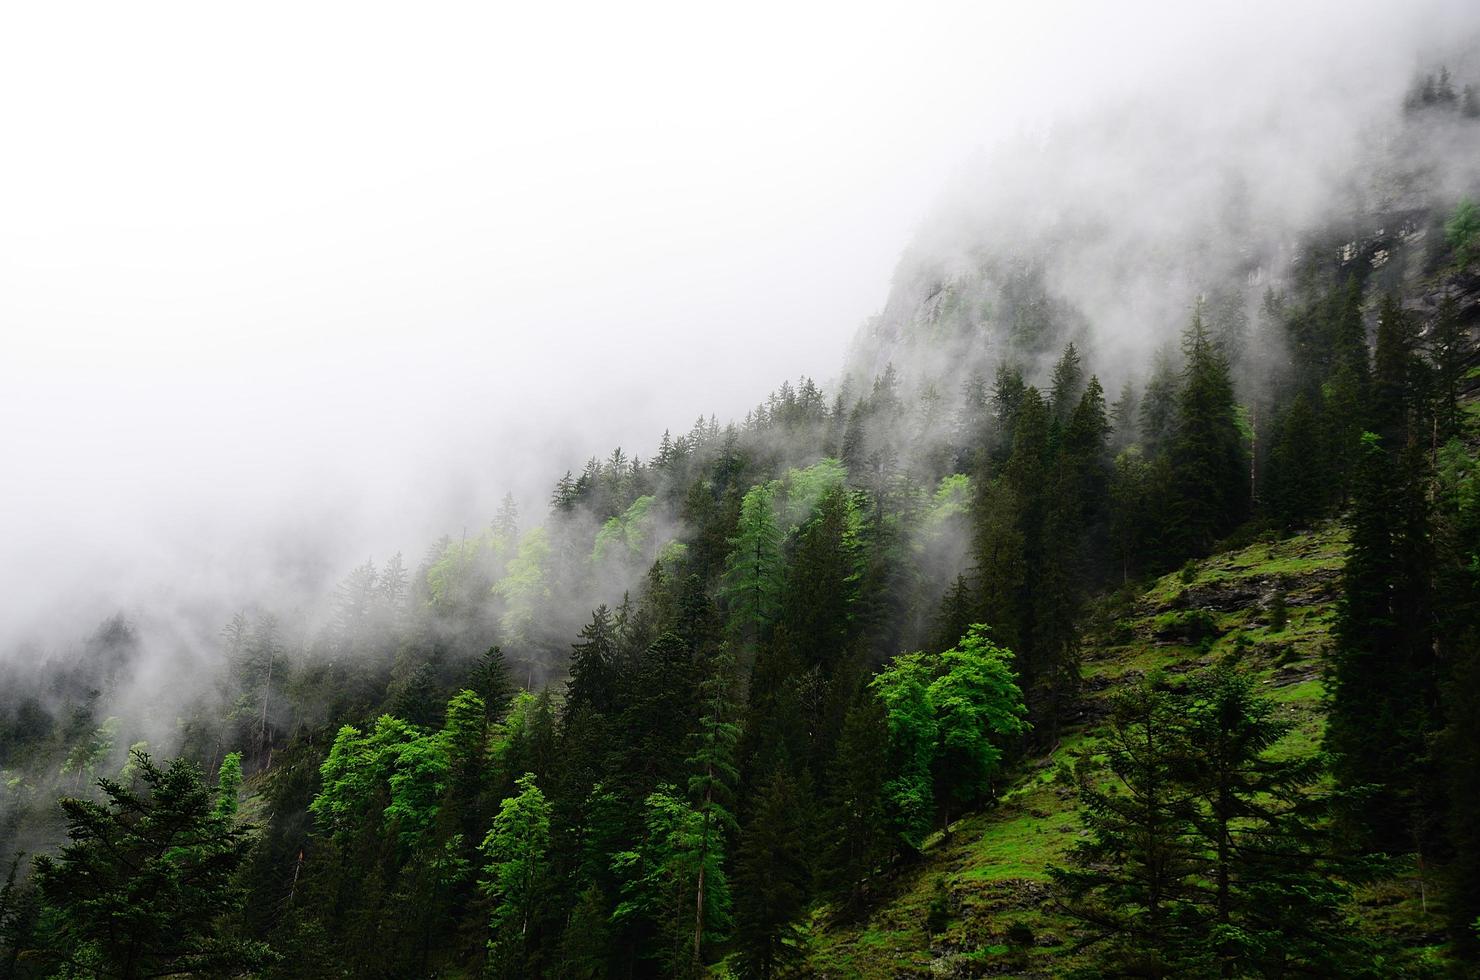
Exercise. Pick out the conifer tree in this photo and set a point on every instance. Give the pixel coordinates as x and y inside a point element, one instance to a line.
<point>773,878</point>
<point>1277,880</point>
<point>713,777</point>
<point>229,784</point>
<point>1131,881</point>
<point>140,888</point>
<point>1206,450</point>
<point>1298,483</point>
<point>1067,384</point>
<point>857,803</point>
<point>754,569</point>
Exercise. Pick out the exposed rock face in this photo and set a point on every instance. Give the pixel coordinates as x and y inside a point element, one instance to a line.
<point>1042,246</point>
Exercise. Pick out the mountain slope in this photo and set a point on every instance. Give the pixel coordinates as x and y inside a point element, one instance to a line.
<point>979,903</point>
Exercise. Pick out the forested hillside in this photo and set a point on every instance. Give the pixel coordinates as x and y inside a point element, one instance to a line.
<point>1037,644</point>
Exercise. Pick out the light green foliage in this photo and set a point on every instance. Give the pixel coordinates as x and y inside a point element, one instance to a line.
<point>229,784</point>
<point>909,792</point>
<point>396,771</point>
<point>660,877</point>
<point>130,770</point>
<point>627,534</point>
<point>525,585</point>
<point>947,716</point>
<point>952,500</point>
<point>671,556</point>
<point>754,567</point>
<point>418,775</point>
<point>348,783</point>
<point>517,853</point>
<point>977,705</point>
<point>1462,231</point>
<point>90,753</point>
<point>454,561</point>
<point>805,488</point>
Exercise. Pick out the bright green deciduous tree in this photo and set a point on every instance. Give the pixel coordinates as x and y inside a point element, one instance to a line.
<point>977,706</point>
<point>517,851</point>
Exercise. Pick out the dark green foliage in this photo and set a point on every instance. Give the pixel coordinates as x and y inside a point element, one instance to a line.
<point>861,843</point>
<point>1207,455</point>
<point>772,880</point>
<point>1206,855</point>
<point>1131,883</point>
<point>1298,485</point>
<point>141,886</point>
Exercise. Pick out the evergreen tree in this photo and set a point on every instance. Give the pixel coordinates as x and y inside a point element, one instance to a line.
<point>594,669</point>
<point>491,682</point>
<point>229,784</point>
<point>713,778</point>
<point>141,886</point>
<point>772,879</point>
<point>754,569</point>
<point>1158,410</point>
<point>1206,451</point>
<point>1277,881</point>
<point>1298,484</point>
<point>1131,883</point>
<point>1067,385</point>
<point>861,842</point>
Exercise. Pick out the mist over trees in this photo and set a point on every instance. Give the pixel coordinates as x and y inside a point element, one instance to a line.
<point>714,697</point>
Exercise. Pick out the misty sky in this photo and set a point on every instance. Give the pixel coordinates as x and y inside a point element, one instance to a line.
<point>289,283</point>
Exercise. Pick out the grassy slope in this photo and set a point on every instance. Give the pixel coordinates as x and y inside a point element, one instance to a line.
<point>992,869</point>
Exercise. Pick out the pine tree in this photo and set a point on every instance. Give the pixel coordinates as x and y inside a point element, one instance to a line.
<point>1384,685</point>
<point>1007,399</point>
<point>754,568</point>
<point>1206,450</point>
<point>773,879</point>
<point>491,682</point>
<point>1158,411</point>
<point>140,887</point>
<point>594,667</point>
<point>229,784</point>
<point>1067,385</point>
<point>1277,891</point>
<point>1447,344</point>
<point>1131,881</point>
<point>818,602</point>
<point>713,777</point>
<point>1298,485</point>
<point>856,790</point>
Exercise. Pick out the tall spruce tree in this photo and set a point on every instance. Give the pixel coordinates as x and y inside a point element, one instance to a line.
<point>773,875</point>
<point>1206,450</point>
